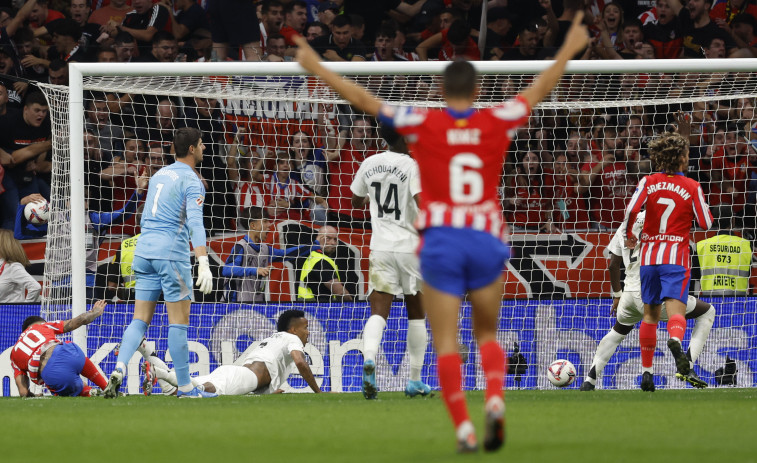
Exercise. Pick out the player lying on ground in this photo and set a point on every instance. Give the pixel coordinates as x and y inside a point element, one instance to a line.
<point>40,357</point>
<point>672,202</point>
<point>460,153</point>
<point>391,181</point>
<point>629,309</point>
<point>265,369</point>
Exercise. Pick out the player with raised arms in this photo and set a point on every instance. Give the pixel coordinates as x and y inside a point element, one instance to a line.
<point>629,310</point>
<point>173,214</point>
<point>40,357</point>
<point>265,369</point>
<point>672,202</point>
<point>391,181</point>
<point>460,152</point>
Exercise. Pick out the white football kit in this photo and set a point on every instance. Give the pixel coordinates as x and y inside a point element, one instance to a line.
<point>275,352</point>
<point>631,307</point>
<point>391,181</point>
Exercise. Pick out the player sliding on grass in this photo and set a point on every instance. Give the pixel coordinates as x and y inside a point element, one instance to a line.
<point>673,201</point>
<point>391,181</point>
<point>460,152</point>
<point>266,368</point>
<point>629,309</point>
<point>40,357</point>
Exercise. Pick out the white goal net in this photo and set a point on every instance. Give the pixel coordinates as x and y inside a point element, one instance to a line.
<point>283,143</point>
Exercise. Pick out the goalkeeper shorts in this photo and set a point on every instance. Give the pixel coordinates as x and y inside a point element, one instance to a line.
<point>173,278</point>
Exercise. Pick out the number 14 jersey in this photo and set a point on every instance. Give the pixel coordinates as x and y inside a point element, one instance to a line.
<point>460,156</point>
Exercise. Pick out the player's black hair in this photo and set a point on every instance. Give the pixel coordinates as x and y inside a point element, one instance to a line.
<point>392,138</point>
<point>285,319</point>
<point>29,321</point>
<point>341,21</point>
<point>184,138</point>
<point>35,97</point>
<point>459,79</point>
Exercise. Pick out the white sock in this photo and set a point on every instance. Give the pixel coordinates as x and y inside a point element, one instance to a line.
<point>417,341</point>
<point>145,350</point>
<point>166,375</point>
<point>700,333</point>
<point>606,348</point>
<point>372,334</point>
<point>121,366</point>
<point>187,387</point>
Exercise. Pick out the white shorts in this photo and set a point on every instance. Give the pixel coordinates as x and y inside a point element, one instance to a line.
<point>394,273</point>
<point>231,380</point>
<point>631,308</point>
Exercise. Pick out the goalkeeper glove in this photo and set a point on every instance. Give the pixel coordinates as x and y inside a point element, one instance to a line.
<point>204,277</point>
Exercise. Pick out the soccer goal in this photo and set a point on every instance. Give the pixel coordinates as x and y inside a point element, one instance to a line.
<point>283,142</point>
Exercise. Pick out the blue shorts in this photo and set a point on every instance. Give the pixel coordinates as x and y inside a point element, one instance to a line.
<point>156,275</point>
<point>61,373</point>
<point>659,282</point>
<point>456,260</point>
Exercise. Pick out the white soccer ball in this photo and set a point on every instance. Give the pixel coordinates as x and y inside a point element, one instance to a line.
<point>37,213</point>
<point>561,373</point>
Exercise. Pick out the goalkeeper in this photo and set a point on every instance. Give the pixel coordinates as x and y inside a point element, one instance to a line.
<point>173,214</point>
<point>266,368</point>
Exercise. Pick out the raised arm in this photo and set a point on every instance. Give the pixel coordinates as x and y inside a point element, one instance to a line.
<point>355,94</point>
<point>575,40</point>
<point>86,318</point>
<point>304,369</point>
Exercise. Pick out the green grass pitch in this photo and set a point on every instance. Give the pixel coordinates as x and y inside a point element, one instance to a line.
<point>558,426</point>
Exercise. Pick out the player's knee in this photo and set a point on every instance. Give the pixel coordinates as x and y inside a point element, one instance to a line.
<point>621,328</point>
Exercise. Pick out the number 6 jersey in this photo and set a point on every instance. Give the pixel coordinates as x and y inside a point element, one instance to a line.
<point>460,156</point>
<point>390,181</point>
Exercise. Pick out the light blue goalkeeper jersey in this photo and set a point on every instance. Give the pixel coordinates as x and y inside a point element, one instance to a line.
<point>172,213</point>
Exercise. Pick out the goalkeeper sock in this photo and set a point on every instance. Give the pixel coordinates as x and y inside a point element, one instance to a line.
<point>450,380</point>
<point>606,348</point>
<point>700,333</point>
<point>372,334</point>
<point>179,349</point>
<point>129,342</point>
<point>494,366</point>
<point>417,341</point>
<point>92,373</point>
<point>677,327</point>
<point>648,343</point>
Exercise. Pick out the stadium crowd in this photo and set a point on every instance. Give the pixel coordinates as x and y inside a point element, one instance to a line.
<point>567,170</point>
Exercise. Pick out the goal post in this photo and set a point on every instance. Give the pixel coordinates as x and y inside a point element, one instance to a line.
<point>254,113</point>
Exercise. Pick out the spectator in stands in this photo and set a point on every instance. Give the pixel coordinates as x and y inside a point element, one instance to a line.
<point>275,50</point>
<point>295,18</point>
<point>498,25</point>
<point>743,28</point>
<point>570,208</point>
<point>340,45</point>
<point>309,167</point>
<point>57,73</point>
<point>232,24</point>
<point>153,160</point>
<point>357,143</point>
<point>187,18</point>
<point>697,29</point>
<point>272,17</point>
<point>730,164</point>
<point>112,13</point>
<point>239,161</point>
<point>125,46</point>
<point>327,12</point>
<point>249,263</point>
<point>665,35</point>
<point>142,23</point>
<point>165,49</point>
<point>16,285</point>
<point>41,15</point>
<point>454,42</point>
<point>559,26</point>
<point>320,278</point>
<point>315,30</point>
<point>526,193</point>
<point>99,190</point>
<point>106,55</point>
<point>636,155</point>
<point>528,40</point>
<point>122,175</point>
<point>162,124</point>
<point>90,32</point>
<point>357,25</point>
<point>724,12</point>
<point>98,123</point>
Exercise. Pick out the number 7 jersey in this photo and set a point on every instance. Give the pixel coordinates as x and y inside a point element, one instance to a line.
<point>460,156</point>
<point>673,202</point>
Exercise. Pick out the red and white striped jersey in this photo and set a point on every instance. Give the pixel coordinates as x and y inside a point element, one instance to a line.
<point>673,202</point>
<point>25,354</point>
<point>249,194</point>
<point>460,156</point>
<point>291,190</point>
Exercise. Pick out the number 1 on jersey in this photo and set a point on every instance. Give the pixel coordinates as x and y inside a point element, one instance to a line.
<point>159,186</point>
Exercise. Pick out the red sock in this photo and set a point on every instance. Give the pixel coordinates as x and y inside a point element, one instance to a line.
<point>85,391</point>
<point>92,373</point>
<point>648,343</point>
<point>450,380</point>
<point>495,366</point>
<point>677,326</point>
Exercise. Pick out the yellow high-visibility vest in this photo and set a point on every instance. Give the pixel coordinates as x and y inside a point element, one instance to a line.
<point>303,292</point>
<point>128,246</point>
<point>726,263</point>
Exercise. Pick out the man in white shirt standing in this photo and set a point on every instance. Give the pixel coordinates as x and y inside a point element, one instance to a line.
<point>390,182</point>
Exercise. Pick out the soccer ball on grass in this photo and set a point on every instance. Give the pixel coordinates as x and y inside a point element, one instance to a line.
<point>561,373</point>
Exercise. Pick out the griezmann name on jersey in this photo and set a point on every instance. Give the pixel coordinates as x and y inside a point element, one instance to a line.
<point>672,203</point>
<point>452,148</point>
<point>173,213</point>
